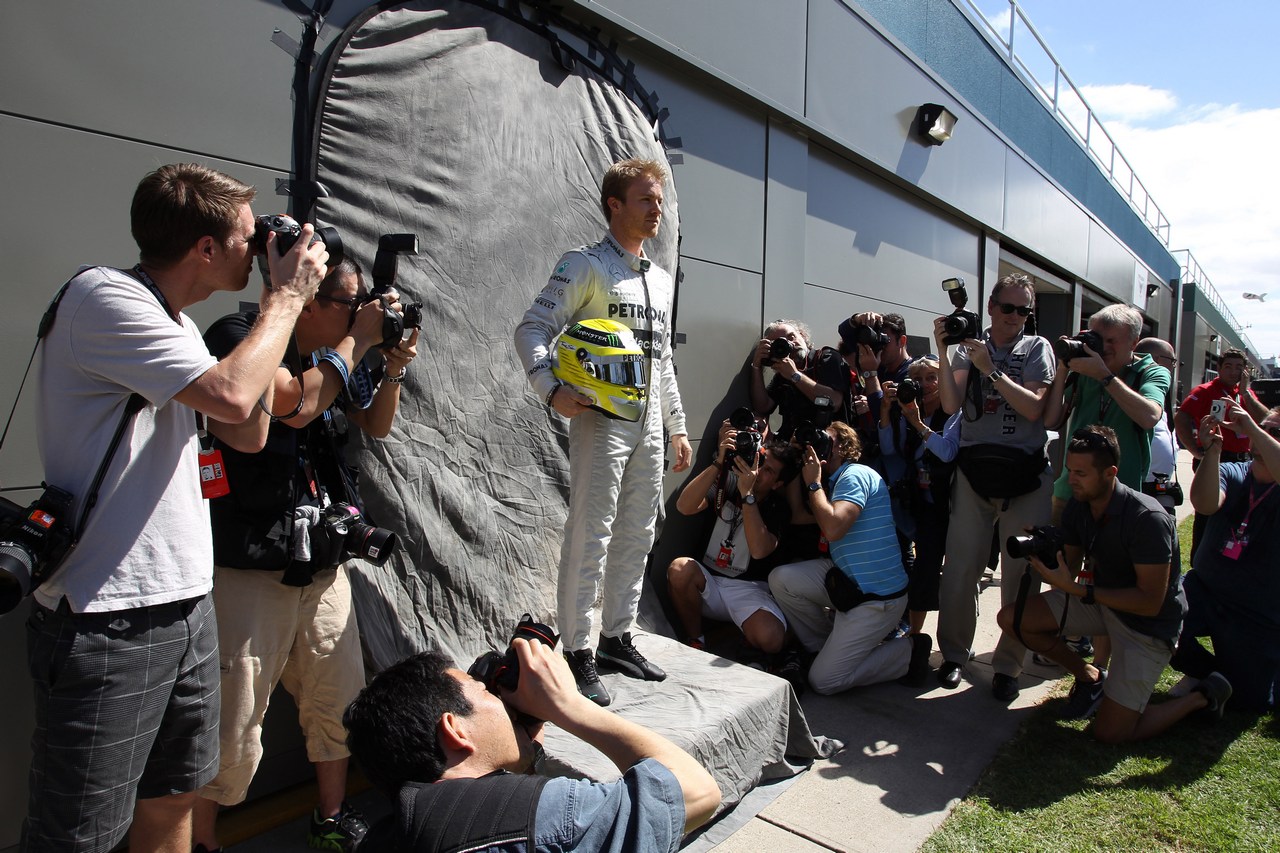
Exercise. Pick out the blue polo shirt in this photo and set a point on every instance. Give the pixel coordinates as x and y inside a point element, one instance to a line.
<point>869,552</point>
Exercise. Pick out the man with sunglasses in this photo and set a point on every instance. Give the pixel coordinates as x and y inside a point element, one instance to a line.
<point>282,616</point>
<point>1000,381</point>
<point>1130,545</point>
<point>1233,589</point>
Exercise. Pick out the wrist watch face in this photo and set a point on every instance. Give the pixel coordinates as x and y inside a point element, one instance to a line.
<point>813,487</point>
<point>749,500</point>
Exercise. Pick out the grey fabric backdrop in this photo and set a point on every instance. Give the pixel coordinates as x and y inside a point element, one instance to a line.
<point>456,124</point>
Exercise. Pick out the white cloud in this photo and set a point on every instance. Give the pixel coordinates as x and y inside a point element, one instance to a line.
<point>1214,174</point>
<point>1129,102</point>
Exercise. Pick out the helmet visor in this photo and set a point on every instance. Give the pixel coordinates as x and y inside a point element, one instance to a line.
<point>625,370</point>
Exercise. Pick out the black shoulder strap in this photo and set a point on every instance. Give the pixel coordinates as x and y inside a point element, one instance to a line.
<point>469,814</point>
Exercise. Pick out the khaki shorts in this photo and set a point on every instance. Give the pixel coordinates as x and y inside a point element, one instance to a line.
<point>268,633</point>
<point>1136,659</point>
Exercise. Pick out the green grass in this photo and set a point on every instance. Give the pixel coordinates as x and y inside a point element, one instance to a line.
<point>1200,786</point>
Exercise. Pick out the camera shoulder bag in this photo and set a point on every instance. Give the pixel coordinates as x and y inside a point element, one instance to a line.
<point>997,471</point>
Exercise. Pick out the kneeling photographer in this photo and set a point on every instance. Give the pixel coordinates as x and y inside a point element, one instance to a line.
<point>283,532</point>
<point>805,380</point>
<point>1114,572</point>
<point>457,753</point>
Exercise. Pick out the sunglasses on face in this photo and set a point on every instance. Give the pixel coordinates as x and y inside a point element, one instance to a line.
<point>1009,308</point>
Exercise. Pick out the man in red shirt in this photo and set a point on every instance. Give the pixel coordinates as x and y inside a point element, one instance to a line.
<point>1232,382</point>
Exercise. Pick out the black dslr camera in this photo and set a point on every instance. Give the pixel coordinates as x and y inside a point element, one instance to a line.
<point>1073,347</point>
<point>345,525</point>
<point>287,231</point>
<point>748,440</point>
<point>396,327</point>
<point>909,390</point>
<point>809,434</point>
<point>780,348</point>
<point>1043,542</point>
<point>33,541</point>
<point>502,669</point>
<point>960,324</point>
<point>852,334</point>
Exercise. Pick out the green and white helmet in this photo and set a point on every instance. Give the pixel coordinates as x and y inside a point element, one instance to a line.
<point>601,359</point>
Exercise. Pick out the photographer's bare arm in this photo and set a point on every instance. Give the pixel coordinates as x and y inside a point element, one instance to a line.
<point>1206,489</point>
<point>834,520</point>
<point>547,691</point>
<point>229,391</point>
<point>376,420</point>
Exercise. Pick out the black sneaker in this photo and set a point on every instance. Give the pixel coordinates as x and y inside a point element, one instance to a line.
<point>1217,690</point>
<point>949,674</point>
<point>1084,698</point>
<point>583,667</point>
<point>341,833</point>
<point>1082,646</point>
<point>795,671</point>
<point>619,653</point>
<point>1004,687</point>
<point>918,669</point>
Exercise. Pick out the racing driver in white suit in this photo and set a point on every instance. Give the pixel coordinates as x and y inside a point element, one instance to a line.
<point>615,466</point>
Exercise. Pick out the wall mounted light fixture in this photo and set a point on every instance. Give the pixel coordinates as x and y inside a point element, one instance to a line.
<point>934,123</point>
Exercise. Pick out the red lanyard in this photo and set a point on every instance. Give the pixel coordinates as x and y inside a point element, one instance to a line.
<point>1253,503</point>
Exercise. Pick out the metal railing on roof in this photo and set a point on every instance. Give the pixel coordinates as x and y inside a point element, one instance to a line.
<point>1193,273</point>
<point>1030,57</point>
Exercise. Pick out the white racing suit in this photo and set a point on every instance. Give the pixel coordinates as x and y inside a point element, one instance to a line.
<point>615,466</point>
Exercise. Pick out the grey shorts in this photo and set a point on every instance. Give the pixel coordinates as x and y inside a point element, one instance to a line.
<point>126,707</point>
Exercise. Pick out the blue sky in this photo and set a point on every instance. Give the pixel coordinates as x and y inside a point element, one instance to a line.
<point>1191,94</point>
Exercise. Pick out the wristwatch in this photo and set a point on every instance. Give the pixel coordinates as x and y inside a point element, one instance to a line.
<point>795,377</point>
<point>749,500</point>
<point>868,374</point>
<point>1110,378</point>
<point>1088,594</point>
<point>813,487</point>
<point>995,376</point>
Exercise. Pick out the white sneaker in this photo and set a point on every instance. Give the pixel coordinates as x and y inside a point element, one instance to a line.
<point>1183,687</point>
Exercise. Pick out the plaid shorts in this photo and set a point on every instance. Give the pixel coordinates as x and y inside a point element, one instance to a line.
<point>126,707</point>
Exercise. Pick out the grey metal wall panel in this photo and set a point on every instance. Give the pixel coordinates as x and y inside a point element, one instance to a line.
<point>719,312</point>
<point>196,76</point>
<point>866,239</point>
<point>1038,215</point>
<point>759,43</point>
<point>721,173</point>
<point>865,93</point>
<point>824,310</point>
<point>1112,268</point>
<point>785,203</point>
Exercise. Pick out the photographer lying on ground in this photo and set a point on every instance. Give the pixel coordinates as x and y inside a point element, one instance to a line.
<point>1233,589</point>
<point>284,616</point>
<point>730,583</point>
<point>445,750</point>
<point>1119,579</point>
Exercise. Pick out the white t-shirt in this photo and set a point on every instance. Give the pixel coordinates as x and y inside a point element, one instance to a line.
<point>147,539</point>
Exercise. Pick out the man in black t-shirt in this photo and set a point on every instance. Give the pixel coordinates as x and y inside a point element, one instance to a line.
<point>730,581</point>
<point>807,383</point>
<point>284,611</point>
<point>1120,578</point>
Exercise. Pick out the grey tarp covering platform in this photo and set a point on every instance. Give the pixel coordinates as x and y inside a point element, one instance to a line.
<point>458,124</point>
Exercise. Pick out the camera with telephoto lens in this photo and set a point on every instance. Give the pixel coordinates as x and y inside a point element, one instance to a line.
<point>396,327</point>
<point>871,336</point>
<point>502,669</point>
<point>779,349</point>
<point>809,434</point>
<point>33,541</point>
<point>747,442</point>
<point>909,390</point>
<point>287,231</point>
<point>959,325</point>
<point>1043,542</point>
<point>344,523</point>
<point>1073,347</point>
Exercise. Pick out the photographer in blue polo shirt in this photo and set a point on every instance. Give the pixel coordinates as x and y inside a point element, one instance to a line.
<point>863,580</point>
